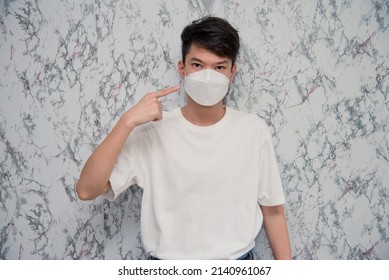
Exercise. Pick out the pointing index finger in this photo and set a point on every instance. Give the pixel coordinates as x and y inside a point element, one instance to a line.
<point>166,91</point>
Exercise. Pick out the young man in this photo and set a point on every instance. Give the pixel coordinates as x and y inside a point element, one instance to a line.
<point>208,172</point>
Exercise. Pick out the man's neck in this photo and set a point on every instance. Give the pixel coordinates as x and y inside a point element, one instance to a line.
<point>203,115</point>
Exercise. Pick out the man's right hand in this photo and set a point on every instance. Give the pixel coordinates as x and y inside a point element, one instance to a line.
<point>148,109</point>
<point>94,177</point>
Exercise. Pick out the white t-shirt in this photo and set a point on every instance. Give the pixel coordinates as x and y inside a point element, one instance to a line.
<point>201,185</point>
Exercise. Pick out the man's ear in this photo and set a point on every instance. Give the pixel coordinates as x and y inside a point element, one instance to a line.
<point>233,72</point>
<point>181,67</point>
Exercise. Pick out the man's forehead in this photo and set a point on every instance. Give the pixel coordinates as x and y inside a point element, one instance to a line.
<point>200,54</point>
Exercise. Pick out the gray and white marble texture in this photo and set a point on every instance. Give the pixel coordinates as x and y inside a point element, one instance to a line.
<point>316,71</point>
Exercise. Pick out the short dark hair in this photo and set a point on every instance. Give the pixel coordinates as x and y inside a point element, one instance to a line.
<point>213,34</point>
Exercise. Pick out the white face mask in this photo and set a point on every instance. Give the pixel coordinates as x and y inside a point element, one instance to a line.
<point>206,87</point>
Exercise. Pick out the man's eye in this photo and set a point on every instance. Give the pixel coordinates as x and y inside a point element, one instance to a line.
<point>220,67</point>
<point>196,65</point>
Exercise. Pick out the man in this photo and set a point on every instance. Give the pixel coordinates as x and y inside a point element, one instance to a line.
<point>208,172</point>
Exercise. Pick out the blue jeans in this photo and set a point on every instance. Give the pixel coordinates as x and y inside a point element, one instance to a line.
<point>246,257</point>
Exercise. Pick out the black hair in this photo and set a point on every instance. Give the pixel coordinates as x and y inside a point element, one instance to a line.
<point>213,34</point>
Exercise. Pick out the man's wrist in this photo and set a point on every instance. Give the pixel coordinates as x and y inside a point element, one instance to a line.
<point>127,122</point>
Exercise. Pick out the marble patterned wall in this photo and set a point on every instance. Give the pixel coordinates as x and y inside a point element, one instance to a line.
<point>317,71</point>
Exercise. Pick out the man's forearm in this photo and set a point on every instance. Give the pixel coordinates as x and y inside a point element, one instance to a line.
<point>277,231</point>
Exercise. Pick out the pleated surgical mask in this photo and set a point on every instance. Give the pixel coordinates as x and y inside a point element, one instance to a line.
<point>206,87</point>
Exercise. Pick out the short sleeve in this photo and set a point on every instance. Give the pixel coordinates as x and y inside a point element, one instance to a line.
<point>270,187</point>
<point>125,171</point>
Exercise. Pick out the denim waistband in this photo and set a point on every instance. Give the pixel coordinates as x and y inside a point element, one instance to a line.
<point>248,256</point>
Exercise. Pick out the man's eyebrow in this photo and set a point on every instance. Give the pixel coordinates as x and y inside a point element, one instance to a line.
<point>217,63</point>
<point>222,62</point>
<point>196,59</point>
